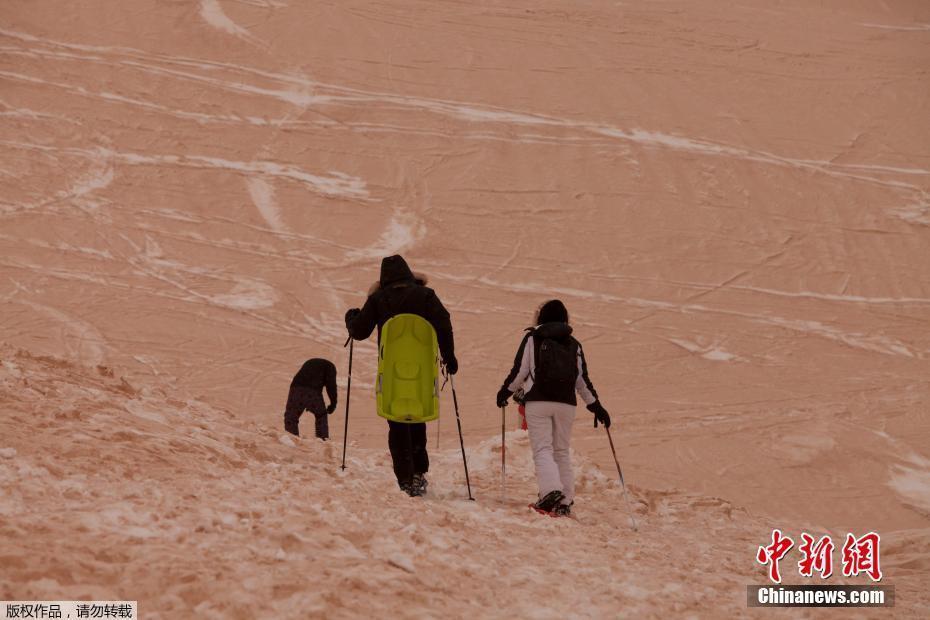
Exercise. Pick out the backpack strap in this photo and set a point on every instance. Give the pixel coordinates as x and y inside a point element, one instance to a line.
<point>531,332</point>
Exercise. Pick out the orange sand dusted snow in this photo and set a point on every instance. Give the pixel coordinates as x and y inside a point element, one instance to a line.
<point>733,200</point>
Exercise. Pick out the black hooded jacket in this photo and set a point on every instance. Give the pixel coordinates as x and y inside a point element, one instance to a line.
<point>400,292</point>
<point>316,374</point>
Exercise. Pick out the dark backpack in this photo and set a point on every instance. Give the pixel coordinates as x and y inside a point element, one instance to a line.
<point>556,364</point>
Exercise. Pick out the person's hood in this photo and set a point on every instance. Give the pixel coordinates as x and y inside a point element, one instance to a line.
<point>308,371</point>
<point>394,269</point>
<point>555,331</point>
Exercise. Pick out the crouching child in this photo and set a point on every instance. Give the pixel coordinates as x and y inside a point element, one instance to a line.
<point>306,394</point>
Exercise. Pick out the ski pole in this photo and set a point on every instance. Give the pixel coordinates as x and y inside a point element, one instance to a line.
<point>458,421</point>
<point>503,455</point>
<point>345,434</point>
<point>622,483</point>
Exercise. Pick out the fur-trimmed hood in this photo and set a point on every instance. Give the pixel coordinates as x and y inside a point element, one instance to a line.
<point>394,269</point>
<point>419,278</point>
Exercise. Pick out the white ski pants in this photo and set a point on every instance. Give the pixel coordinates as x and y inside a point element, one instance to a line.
<point>550,428</point>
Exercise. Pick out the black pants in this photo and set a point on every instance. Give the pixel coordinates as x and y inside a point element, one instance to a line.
<point>408,449</point>
<point>301,399</point>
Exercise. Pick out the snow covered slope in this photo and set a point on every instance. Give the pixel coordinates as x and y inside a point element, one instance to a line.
<point>122,491</point>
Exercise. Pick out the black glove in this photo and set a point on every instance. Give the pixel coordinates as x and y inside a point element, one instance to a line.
<point>600,414</point>
<point>331,408</point>
<point>502,397</point>
<point>452,365</point>
<point>351,313</point>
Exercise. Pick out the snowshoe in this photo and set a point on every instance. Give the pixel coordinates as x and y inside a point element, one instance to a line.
<point>547,504</point>
<point>411,489</point>
<point>420,483</point>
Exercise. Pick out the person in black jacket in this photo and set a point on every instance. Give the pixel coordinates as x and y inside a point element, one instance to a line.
<point>306,394</point>
<point>398,291</point>
<point>550,367</point>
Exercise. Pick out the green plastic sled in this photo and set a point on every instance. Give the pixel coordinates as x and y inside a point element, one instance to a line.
<point>407,388</point>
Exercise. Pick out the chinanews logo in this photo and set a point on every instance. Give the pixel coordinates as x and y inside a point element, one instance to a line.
<point>860,557</point>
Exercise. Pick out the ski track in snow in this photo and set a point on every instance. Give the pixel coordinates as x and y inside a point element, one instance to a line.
<point>90,183</point>
<point>910,477</point>
<point>712,353</point>
<point>402,231</point>
<point>83,341</point>
<point>833,297</point>
<point>246,297</point>
<point>337,184</point>
<point>148,105</point>
<point>915,214</point>
<point>61,246</point>
<point>213,14</point>
<point>913,485</point>
<point>27,113</point>
<point>264,4</point>
<point>914,28</point>
<point>99,176</point>
<point>245,293</point>
<point>262,193</point>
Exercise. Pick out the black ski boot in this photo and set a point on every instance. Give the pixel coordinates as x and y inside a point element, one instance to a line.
<point>420,483</point>
<point>549,502</point>
<point>563,510</point>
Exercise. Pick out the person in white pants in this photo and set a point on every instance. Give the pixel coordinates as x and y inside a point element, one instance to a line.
<point>550,367</point>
